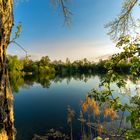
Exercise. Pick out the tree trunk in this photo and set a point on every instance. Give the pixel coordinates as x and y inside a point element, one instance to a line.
<point>7,131</point>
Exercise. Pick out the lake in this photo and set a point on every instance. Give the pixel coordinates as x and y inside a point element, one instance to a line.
<point>40,107</point>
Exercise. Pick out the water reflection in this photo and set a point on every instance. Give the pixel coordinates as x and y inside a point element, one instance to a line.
<point>17,80</point>
<point>41,108</point>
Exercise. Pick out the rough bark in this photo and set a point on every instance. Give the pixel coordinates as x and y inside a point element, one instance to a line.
<point>7,131</point>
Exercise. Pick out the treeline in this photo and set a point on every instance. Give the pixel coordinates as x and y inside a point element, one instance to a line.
<point>26,71</point>
<point>46,66</point>
<point>28,66</point>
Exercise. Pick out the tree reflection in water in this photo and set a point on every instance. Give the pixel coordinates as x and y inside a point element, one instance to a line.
<point>100,115</point>
<point>19,80</point>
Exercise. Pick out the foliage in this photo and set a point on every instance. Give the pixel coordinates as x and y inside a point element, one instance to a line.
<point>46,66</point>
<point>16,80</point>
<point>39,67</point>
<point>18,31</point>
<point>119,30</point>
<point>134,118</point>
<point>84,66</point>
<point>105,96</point>
<point>98,99</point>
<point>101,103</point>
<point>124,24</point>
<point>14,64</point>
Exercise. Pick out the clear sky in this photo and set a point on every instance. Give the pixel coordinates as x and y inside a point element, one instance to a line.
<point>44,33</point>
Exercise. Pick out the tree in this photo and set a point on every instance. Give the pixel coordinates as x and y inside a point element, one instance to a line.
<point>68,61</point>
<point>6,24</point>
<point>14,64</point>
<point>130,44</point>
<point>120,25</point>
<point>45,61</point>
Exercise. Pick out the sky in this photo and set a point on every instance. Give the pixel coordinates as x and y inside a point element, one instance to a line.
<point>44,33</point>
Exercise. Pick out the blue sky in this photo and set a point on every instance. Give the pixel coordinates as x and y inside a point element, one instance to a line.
<point>44,33</point>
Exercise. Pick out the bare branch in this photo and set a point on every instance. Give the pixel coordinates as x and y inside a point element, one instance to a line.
<point>65,9</point>
<point>121,25</point>
<point>14,42</point>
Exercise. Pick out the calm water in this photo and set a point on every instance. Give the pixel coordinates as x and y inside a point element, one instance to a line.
<point>38,109</point>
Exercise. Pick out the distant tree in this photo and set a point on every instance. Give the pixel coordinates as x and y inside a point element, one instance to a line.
<point>14,64</point>
<point>45,61</point>
<point>68,61</point>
